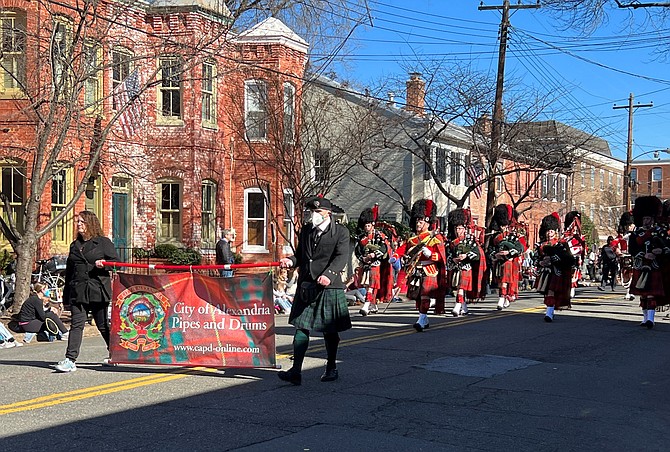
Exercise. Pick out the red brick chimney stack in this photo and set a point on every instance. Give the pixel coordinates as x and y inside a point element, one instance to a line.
<point>483,124</point>
<point>416,93</point>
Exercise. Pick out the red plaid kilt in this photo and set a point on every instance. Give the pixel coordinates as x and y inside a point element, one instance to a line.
<point>508,272</point>
<point>374,277</point>
<point>655,287</point>
<point>465,282</point>
<point>433,286</point>
<point>561,285</point>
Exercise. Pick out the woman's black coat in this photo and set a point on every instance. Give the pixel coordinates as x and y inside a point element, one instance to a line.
<point>84,282</point>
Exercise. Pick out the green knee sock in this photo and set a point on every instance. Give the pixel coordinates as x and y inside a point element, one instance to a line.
<point>300,344</point>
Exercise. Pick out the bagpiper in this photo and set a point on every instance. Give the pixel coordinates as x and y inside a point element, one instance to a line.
<point>464,255</point>
<point>425,261</point>
<point>371,249</point>
<point>572,234</point>
<point>555,263</point>
<point>649,246</point>
<point>507,245</point>
<point>624,230</point>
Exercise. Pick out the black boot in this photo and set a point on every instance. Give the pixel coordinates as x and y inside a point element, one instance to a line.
<point>329,375</point>
<point>292,376</point>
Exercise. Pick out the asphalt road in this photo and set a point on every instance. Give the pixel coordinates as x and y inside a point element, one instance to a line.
<point>592,380</point>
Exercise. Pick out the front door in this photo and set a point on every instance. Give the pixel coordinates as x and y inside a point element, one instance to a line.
<point>120,222</point>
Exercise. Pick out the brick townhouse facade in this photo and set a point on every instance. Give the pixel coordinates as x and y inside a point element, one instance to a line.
<point>214,102</point>
<point>650,177</point>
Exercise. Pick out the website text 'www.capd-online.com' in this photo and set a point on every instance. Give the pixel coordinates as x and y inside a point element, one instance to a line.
<point>211,348</point>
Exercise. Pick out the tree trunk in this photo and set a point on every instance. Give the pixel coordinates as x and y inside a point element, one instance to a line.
<point>26,250</point>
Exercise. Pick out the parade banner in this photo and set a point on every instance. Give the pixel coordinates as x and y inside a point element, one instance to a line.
<point>188,319</point>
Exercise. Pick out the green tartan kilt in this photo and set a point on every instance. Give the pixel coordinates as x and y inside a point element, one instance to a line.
<point>322,310</point>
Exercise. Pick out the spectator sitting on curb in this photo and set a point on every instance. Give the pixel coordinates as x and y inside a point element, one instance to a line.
<point>6,338</point>
<point>37,317</point>
<point>353,293</point>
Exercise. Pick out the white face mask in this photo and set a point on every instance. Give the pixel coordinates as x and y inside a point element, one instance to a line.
<point>317,218</point>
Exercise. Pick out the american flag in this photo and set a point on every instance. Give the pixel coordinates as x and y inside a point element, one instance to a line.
<point>476,174</point>
<point>127,95</point>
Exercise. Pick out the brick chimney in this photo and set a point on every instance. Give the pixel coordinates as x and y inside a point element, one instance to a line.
<point>416,93</point>
<point>483,124</point>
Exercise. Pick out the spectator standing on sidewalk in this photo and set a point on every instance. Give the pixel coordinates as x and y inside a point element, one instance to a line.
<point>88,286</point>
<point>224,254</point>
<point>36,316</point>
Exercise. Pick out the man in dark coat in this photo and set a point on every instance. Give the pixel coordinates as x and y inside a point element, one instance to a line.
<point>319,304</point>
<point>224,254</point>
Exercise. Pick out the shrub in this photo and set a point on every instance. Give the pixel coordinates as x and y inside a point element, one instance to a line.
<point>165,250</point>
<point>184,256</point>
<point>141,253</point>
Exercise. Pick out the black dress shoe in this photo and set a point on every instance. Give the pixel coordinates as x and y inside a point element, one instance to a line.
<point>418,327</point>
<point>329,375</point>
<point>649,324</point>
<point>548,319</point>
<point>601,288</point>
<point>292,376</point>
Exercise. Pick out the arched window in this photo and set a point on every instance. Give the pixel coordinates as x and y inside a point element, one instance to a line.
<point>169,192</point>
<point>289,113</point>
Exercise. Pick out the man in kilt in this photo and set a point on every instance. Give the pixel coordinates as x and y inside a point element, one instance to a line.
<point>649,245</point>
<point>319,303</point>
<point>464,254</point>
<point>508,245</point>
<point>572,227</point>
<point>425,260</point>
<point>371,248</point>
<point>624,230</point>
<point>554,267</point>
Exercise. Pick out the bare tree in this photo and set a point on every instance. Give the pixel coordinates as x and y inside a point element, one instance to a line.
<point>74,126</point>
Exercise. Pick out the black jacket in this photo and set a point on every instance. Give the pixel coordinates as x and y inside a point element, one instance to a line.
<point>84,282</point>
<point>32,308</point>
<point>223,253</point>
<point>328,257</point>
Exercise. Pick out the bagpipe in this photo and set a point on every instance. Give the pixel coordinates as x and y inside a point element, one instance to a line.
<point>467,245</point>
<point>644,241</point>
<point>413,255</point>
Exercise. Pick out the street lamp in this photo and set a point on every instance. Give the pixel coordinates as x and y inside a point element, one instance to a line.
<point>628,183</point>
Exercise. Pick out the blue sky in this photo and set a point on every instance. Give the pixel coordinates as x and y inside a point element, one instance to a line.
<point>595,72</point>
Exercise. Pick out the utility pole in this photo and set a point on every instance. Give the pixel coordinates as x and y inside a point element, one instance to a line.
<point>629,148</point>
<point>498,114</point>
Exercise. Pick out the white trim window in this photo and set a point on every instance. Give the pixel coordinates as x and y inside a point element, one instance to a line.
<point>208,214</point>
<point>255,109</point>
<point>208,94</point>
<point>602,179</point>
<point>255,220</point>
<point>12,50</point>
<point>289,113</point>
<point>60,49</point>
<point>583,174</point>
<point>456,169</point>
<point>593,177</point>
<point>618,183</point>
<point>169,211</point>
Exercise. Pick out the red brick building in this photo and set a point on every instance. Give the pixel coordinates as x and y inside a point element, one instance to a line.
<point>194,153</point>
<point>650,177</point>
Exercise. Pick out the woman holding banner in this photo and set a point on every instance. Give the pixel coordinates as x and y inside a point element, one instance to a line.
<point>88,286</point>
<point>320,303</point>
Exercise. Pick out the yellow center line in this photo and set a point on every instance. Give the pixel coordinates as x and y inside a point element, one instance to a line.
<point>85,393</point>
